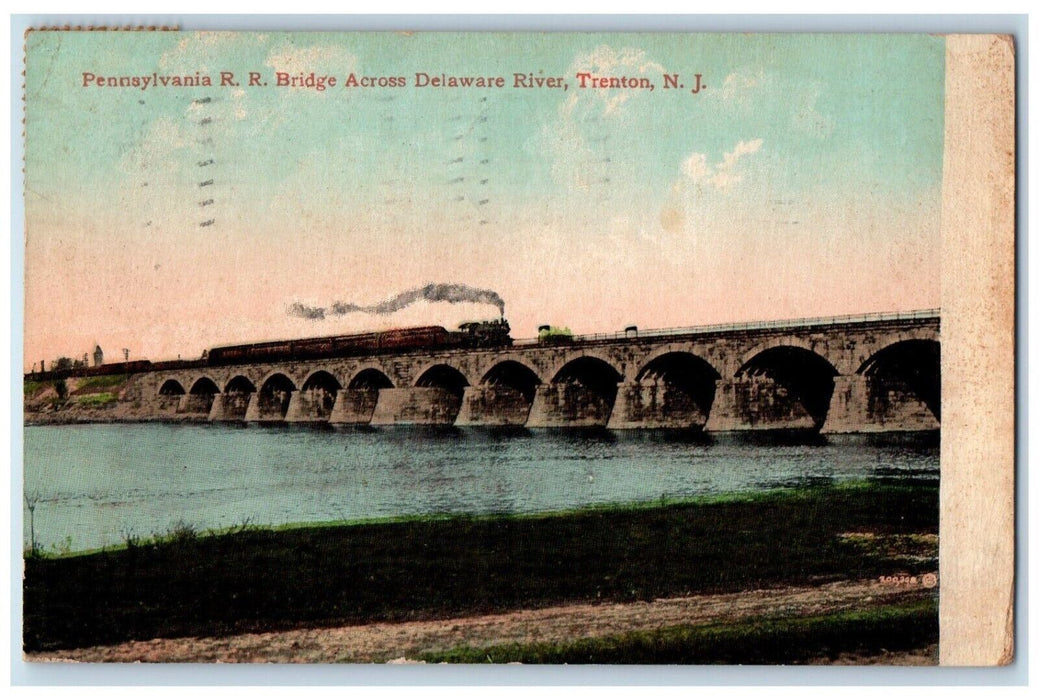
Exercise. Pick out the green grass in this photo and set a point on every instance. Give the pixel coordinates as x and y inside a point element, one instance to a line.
<point>179,533</point>
<point>762,640</point>
<point>95,400</point>
<point>106,381</point>
<point>604,507</point>
<point>436,567</point>
<point>32,387</point>
<point>89,390</point>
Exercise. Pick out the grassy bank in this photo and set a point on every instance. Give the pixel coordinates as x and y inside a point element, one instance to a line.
<point>72,399</point>
<point>439,567</point>
<point>769,640</point>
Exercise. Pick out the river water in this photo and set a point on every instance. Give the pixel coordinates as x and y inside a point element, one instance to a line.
<point>96,485</point>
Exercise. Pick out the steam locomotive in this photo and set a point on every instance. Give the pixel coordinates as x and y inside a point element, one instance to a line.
<point>477,334</point>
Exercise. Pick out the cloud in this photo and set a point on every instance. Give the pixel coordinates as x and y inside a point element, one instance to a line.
<point>695,167</point>
<point>739,87</point>
<point>743,148</point>
<point>238,102</point>
<point>722,175</point>
<point>584,138</point>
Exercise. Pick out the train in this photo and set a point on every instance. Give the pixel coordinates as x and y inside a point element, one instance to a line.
<point>476,334</point>
<point>469,335</point>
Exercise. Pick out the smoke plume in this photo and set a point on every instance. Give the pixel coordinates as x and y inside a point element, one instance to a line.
<point>311,313</point>
<point>450,293</point>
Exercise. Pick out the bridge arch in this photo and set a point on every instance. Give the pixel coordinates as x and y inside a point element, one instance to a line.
<point>554,368</point>
<point>274,396</point>
<point>588,369</point>
<point>276,381</point>
<point>746,356</point>
<point>201,396</point>
<point>280,376</point>
<point>316,397</point>
<point>514,375</point>
<point>321,379</point>
<point>370,379</point>
<point>877,343</point>
<point>239,384</point>
<point>204,385</point>
<point>234,403</point>
<point>171,387</point>
<point>443,376</point>
<point>801,376</point>
<point>584,391</point>
<point>689,381</point>
<point>910,366</point>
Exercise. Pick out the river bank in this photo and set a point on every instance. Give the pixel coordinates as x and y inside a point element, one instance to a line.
<point>905,613</point>
<point>266,580</point>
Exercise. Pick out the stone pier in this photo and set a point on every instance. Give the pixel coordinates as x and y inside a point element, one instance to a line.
<point>416,406</point>
<point>310,406</point>
<point>354,407</point>
<point>756,403</point>
<point>230,407</point>
<point>168,406</point>
<point>654,405</point>
<point>568,405</point>
<point>493,405</point>
<point>196,404</point>
<point>269,408</point>
<point>862,404</point>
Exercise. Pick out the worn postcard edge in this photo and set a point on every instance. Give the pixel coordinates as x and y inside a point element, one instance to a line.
<point>976,551</point>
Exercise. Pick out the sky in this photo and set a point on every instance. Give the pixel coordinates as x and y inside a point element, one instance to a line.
<point>803,180</point>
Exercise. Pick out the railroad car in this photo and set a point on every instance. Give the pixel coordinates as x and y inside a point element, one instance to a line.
<point>114,368</point>
<point>173,365</point>
<point>481,334</point>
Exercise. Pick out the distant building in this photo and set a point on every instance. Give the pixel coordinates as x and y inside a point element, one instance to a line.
<point>99,356</point>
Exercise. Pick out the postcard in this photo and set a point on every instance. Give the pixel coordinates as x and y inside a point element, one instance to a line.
<point>512,347</point>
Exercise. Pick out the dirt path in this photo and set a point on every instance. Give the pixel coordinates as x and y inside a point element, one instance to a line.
<point>382,642</point>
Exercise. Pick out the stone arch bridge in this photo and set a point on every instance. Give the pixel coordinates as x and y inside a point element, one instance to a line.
<point>848,374</point>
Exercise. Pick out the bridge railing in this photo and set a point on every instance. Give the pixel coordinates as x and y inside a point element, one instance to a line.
<point>820,321</point>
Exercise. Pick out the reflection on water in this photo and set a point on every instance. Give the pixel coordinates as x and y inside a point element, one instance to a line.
<point>98,484</point>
